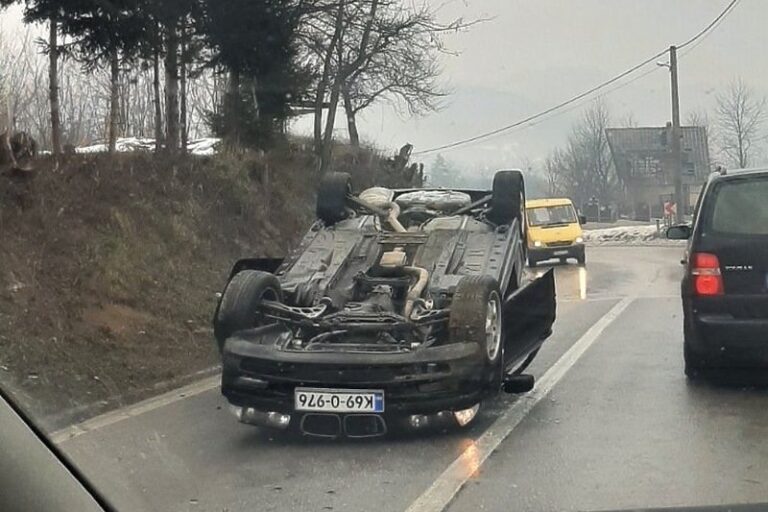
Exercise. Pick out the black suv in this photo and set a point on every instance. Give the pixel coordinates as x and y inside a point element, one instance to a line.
<point>725,288</point>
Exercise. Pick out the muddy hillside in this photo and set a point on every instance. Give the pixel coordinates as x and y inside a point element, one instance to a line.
<point>109,267</point>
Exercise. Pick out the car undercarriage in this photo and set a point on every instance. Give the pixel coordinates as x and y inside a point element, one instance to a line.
<point>415,299</point>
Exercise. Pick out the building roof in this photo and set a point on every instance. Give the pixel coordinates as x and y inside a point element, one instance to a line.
<point>629,145</point>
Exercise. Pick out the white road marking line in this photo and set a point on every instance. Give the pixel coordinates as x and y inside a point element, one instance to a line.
<point>614,298</point>
<point>442,491</point>
<point>150,404</point>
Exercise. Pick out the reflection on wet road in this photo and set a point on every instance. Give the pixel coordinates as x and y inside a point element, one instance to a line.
<point>572,280</point>
<point>621,428</point>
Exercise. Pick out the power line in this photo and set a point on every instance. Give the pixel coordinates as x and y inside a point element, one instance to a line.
<point>589,92</point>
<point>709,27</point>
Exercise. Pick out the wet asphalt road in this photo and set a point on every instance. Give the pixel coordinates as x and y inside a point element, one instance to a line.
<point>621,429</point>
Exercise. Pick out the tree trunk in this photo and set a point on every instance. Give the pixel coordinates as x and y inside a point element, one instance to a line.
<point>172,90</point>
<point>114,98</point>
<point>231,113</point>
<point>327,152</point>
<point>322,85</point>
<point>158,107</point>
<point>183,77</point>
<point>349,110</point>
<point>53,86</point>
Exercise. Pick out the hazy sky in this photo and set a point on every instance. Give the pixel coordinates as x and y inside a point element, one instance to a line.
<point>536,53</point>
<point>533,54</point>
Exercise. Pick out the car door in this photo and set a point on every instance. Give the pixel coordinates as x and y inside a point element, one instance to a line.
<point>528,314</point>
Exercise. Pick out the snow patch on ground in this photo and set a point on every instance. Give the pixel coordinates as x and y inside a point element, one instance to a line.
<point>202,147</point>
<point>629,235</point>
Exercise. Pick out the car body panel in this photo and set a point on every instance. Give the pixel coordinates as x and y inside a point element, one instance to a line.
<point>425,370</point>
<point>731,328</point>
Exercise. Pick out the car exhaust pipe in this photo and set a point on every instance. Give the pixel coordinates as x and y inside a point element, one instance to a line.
<point>521,383</point>
<point>414,293</point>
<point>392,218</point>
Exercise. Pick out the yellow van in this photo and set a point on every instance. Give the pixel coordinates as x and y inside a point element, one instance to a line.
<point>554,231</point>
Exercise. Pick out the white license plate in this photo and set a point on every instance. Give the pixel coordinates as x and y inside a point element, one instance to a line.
<point>338,400</point>
<point>560,253</point>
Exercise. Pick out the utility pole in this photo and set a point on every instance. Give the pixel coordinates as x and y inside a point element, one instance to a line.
<point>677,159</point>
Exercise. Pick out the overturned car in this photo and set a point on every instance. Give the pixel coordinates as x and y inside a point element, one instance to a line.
<point>399,307</point>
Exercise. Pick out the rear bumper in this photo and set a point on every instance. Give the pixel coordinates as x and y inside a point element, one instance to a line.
<point>720,336</point>
<point>448,377</point>
<point>546,253</point>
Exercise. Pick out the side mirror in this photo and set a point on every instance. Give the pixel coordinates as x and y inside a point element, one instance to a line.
<point>582,219</point>
<point>682,232</point>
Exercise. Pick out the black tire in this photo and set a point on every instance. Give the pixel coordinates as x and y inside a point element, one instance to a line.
<point>508,200</point>
<point>581,257</point>
<point>240,302</point>
<point>467,323</point>
<point>695,365</point>
<point>332,197</point>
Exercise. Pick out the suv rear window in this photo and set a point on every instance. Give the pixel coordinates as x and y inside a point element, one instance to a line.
<point>740,207</point>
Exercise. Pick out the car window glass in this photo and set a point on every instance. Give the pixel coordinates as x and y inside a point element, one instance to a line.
<point>741,208</point>
<point>551,215</point>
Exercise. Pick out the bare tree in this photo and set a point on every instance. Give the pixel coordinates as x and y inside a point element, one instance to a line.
<point>628,121</point>
<point>700,117</point>
<point>583,168</point>
<point>401,66</point>
<point>590,138</point>
<point>172,139</point>
<point>114,99</point>
<point>365,51</point>
<point>555,172</point>
<point>350,55</point>
<point>53,84</point>
<point>740,115</point>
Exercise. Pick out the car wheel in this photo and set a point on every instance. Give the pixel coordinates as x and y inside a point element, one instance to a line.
<point>332,197</point>
<point>240,303</point>
<point>508,198</point>
<point>695,365</point>
<point>581,257</point>
<point>476,317</point>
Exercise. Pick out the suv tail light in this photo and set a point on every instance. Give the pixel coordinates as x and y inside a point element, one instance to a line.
<point>705,270</point>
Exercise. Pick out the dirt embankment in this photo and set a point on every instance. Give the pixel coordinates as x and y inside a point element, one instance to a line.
<point>109,269</point>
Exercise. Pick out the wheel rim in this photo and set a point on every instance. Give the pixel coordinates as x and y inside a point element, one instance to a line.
<point>493,327</point>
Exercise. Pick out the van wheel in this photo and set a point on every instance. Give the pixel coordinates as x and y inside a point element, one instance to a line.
<point>581,257</point>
